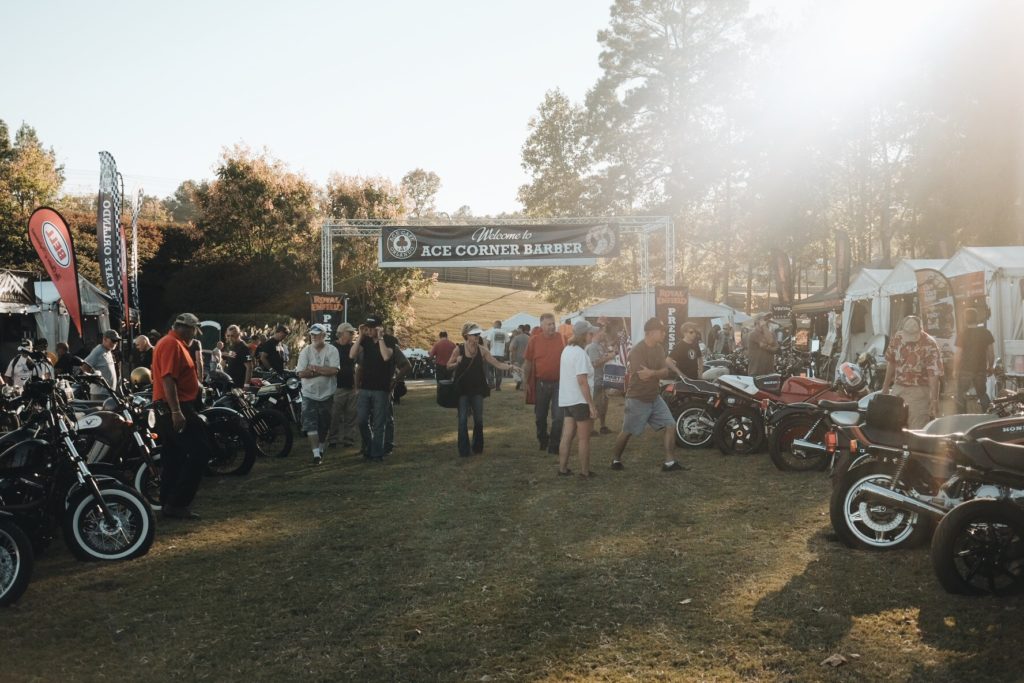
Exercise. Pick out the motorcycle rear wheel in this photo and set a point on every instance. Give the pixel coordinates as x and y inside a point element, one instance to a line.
<point>739,431</point>
<point>860,523</point>
<point>695,427</point>
<point>232,448</point>
<point>978,549</point>
<point>790,428</point>
<point>273,434</point>
<point>90,537</point>
<point>16,561</point>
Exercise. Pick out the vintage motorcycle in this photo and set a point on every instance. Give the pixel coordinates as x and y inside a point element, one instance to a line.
<point>269,427</point>
<point>16,560</point>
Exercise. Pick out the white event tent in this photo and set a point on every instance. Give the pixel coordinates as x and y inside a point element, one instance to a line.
<point>52,319</point>
<point>898,291</point>
<point>862,311</point>
<point>631,306</point>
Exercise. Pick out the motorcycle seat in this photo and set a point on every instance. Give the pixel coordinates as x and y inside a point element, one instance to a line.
<point>1005,455</point>
<point>917,442</point>
<point>838,405</point>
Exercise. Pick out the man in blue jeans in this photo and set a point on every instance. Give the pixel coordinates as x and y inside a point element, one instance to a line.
<point>374,352</point>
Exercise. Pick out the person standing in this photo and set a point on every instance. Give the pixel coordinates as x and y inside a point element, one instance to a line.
<point>761,348</point>
<point>517,350</point>
<point>497,344</point>
<point>195,347</point>
<point>441,351</point>
<point>66,362</point>
<point>269,352</point>
<point>217,356</point>
<point>687,354</point>
<point>238,357</point>
<point>648,363</point>
<point>343,415</point>
<point>973,362</point>
<point>599,354</point>
<point>22,368</point>
<point>913,371</point>
<point>374,354</point>
<point>101,360</point>
<point>541,369</point>
<point>143,355</point>
<point>175,390</point>
<point>467,366</point>
<point>317,367</point>
<point>575,398</point>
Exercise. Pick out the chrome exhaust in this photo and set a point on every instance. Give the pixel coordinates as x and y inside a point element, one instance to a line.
<point>804,445</point>
<point>880,494</point>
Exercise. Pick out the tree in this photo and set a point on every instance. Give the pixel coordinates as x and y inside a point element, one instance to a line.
<point>420,188</point>
<point>29,178</point>
<point>181,207</point>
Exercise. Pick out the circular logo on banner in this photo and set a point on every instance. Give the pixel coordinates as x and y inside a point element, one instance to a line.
<point>600,240</point>
<point>401,244</point>
<point>56,244</point>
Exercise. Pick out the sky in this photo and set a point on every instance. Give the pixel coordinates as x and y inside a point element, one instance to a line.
<point>360,88</point>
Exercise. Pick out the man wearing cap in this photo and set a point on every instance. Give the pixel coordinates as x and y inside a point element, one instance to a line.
<point>317,367</point>
<point>541,369</point>
<point>175,390</point>
<point>374,353</point>
<point>269,352</point>
<point>101,360</point>
<point>648,363</point>
<point>343,414</point>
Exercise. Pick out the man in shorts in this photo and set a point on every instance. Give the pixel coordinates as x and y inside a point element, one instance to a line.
<point>318,368</point>
<point>648,363</point>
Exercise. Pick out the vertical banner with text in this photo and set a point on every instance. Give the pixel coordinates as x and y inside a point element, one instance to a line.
<point>108,237</point>
<point>938,312</point>
<point>327,308</point>
<point>672,307</point>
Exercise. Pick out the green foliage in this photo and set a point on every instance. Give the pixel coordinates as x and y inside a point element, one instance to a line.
<point>29,177</point>
<point>420,188</point>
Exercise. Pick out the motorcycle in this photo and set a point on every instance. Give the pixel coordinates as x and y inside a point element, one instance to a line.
<point>45,483</point>
<point>694,404</point>
<point>900,482</point>
<point>16,560</point>
<point>978,548</point>
<point>269,427</point>
<point>279,392</point>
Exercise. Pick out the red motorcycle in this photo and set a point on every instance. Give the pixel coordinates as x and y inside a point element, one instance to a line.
<point>749,402</point>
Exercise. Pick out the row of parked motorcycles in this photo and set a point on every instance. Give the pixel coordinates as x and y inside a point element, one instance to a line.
<point>89,471</point>
<point>958,482</point>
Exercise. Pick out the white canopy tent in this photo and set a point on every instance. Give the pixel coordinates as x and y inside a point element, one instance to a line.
<point>51,317</point>
<point>1004,279</point>
<point>901,282</point>
<point>521,318</point>
<point>631,306</point>
<point>862,311</point>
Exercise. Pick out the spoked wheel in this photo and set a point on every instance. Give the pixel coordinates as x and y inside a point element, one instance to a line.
<point>16,560</point>
<point>694,426</point>
<point>147,481</point>
<point>739,431</point>
<point>8,422</point>
<point>232,448</point>
<point>862,523</point>
<point>978,549</point>
<point>808,427</point>
<point>273,433</point>
<point>91,536</point>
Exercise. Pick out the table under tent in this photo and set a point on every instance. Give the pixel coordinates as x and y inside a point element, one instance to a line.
<point>862,322</point>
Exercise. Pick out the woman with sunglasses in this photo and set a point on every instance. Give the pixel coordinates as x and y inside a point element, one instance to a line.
<point>466,366</point>
<point>687,354</point>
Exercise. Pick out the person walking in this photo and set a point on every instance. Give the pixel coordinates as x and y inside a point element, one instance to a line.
<point>343,415</point>
<point>541,370</point>
<point>317,367</point>
<point>600,353</point>
<point>517,350</point>
<point>467,367</point>
<point>913,371</point>
<point>101,360</point>
<point>175,390</point>
<point>648,363</point>
<point>575,398</point>
<point>973,361</point>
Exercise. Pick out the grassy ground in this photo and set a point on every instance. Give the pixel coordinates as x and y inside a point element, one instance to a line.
<point>431,567</point>
<point>449,305</point>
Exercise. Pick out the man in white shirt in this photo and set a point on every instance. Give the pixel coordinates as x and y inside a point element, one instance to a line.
<point>317,367</point>
<point>22,368</point>
<point>497,342</point>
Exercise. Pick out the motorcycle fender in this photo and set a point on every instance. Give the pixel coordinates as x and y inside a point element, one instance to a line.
<point>221,413</point>
<point>101,476</point>
<point>790,409</point>
<point>22,454</point>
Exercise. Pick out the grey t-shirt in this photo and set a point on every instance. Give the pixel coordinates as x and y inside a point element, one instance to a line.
<point>102,361</point>
<point>517,347</point>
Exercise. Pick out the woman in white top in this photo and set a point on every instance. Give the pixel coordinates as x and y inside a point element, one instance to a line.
<point>576,398</point>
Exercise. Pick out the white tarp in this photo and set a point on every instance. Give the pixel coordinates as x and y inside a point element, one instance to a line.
<point>864,287</point>
<point>632,306</point>
<point>51,317</point>
<point>902,280</point>
<point>514,321</point>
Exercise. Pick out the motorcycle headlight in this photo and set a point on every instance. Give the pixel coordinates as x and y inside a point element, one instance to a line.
<point>294,383</point>
<point>151,419</point>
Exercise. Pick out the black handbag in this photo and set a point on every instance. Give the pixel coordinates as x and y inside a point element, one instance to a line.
<point>448,389</point>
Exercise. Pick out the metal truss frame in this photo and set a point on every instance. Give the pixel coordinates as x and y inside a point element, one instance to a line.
<point>644,226</point>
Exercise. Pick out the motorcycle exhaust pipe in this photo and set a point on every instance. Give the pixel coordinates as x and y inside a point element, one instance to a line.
<point>880,494</point>
<point>805,445</point>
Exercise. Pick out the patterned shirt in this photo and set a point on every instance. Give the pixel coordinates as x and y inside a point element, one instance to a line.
<point>916,361</point>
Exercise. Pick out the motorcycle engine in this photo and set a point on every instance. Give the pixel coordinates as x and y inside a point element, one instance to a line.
<point>19,491</point>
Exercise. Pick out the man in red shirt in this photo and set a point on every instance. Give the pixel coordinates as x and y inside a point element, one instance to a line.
<point>175,390</point>
<point>541,369</point>
<point>441,351</point>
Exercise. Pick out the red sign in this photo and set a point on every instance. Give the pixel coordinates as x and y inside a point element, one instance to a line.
<point>49,234</point>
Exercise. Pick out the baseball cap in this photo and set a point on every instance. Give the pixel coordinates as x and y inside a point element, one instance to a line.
<point>583,327</point>
<point>25,345</point>
<point>345,327</point>
<point>186,319</point>
<point>317,329</point>
<point>372,321</point>
<point>653,324</point>
<point>112,335</point>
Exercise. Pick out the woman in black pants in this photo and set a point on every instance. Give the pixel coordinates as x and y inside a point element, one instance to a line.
<point>467,367</point>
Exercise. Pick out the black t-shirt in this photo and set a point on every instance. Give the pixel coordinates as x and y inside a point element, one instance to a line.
<point>347,374</point>
<point>974,345</point>
<point>235,365</point>
<point>376,373</point>
<point>142,359</point>
<point>686,356</point>
<point>66,363</point>
<point>271,347</point>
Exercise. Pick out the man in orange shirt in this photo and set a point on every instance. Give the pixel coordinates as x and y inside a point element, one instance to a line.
<point>541,368</point>
<point>175,390</point>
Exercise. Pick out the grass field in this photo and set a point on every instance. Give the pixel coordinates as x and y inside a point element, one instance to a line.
<point>434,568</point>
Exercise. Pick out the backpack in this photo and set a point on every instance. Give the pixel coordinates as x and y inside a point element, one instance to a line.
<point>887,412</point>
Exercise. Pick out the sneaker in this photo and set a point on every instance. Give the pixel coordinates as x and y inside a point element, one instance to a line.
<point>674,467</point>
<point>617,465</point>
<point>567,473</point>
<point>317,458</point>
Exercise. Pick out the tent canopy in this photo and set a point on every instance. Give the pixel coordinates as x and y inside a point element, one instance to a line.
<point>631,306</point>
<point>902,278</point>
<point>865,285</point>
<point>94,302</point>
<point>822,302</point>
<point>1007,260</point>
<point>15,292</point>
<point>521,318</point>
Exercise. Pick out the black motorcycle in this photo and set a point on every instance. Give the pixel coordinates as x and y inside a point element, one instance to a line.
<point>695,406</point>
<point>269,427</point>
<point>16,560</point>
<point>281,392</point>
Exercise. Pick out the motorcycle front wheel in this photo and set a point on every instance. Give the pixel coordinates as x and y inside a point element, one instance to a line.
<point>16,560</point>
<point>147,481</point>
<point>273,434</point>
<point>861,523</point>
<point>739,431</point>
<point>790,428</point>
<point>232,448</point>
<point>694,425</point>
<point>978,549</point>
<point>90,536</point>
